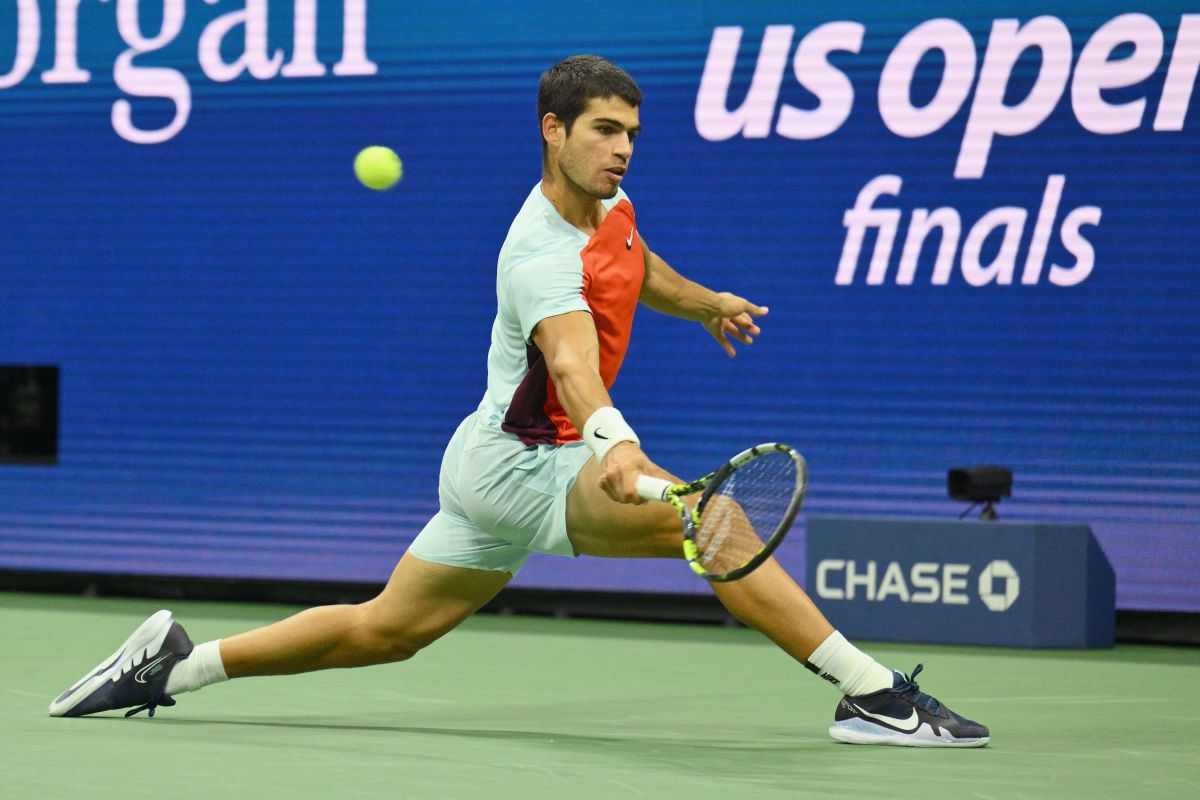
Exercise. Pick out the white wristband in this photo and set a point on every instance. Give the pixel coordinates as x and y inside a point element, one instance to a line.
<point>605,429</point>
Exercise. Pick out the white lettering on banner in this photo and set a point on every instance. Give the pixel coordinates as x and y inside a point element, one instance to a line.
<point>304,63</point>
<point>924,575</point>
<point>29,31</point>
<point>988,116</point>
<point>823,587</point>
<point>886,222</point>
<point>148,81</point>
<point>1096,72</point>
<point>864,579</point>
<point>169,84</point>
<point>895,84</point>
<point>1081,248</point>
<point>838,579</point>
<point>1181,76</point>
<point>953,579</point>
<point>753,117</point>
<point>892,584</point>
<point>864,215</point>
<point>834,92</point>
<point>254,58</point>
<point>66,36</point>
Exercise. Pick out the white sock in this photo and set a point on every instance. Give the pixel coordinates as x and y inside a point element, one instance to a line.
<point>847,667</point>
<point>201,668</point>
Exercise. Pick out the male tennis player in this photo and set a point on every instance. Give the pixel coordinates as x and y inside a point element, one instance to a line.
<point>546,463</point>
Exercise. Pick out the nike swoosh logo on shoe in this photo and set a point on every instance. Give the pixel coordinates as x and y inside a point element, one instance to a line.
<point>912,719</point>
<point>141,675</point>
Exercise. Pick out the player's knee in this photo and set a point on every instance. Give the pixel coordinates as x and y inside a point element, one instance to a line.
<point>388,640</point>
<point>397,650</point>
<point>387,646</point>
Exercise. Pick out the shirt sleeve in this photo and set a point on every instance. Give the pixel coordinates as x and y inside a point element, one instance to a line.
<point>544,285</point>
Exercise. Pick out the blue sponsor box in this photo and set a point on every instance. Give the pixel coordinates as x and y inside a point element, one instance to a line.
<point>1014,584</point>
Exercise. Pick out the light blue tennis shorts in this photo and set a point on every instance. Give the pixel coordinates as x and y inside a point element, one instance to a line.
<point>500,500</point>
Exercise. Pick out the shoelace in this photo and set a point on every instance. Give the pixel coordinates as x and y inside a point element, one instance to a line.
<point>163,701</point>
<point>910,691</point>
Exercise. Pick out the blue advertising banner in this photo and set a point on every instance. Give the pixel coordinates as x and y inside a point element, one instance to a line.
<point>975,228</point>
<point>996,583</point>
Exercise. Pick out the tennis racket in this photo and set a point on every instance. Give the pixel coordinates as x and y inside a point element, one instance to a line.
<point>745,509</point>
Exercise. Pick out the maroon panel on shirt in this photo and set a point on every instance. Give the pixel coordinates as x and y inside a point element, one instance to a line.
<point>526,417</point>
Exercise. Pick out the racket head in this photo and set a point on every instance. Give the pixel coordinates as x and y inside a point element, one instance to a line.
<point>745,510</point>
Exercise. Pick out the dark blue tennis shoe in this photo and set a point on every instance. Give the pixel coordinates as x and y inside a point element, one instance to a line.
<point>904,715</point>
<point>135,675</point>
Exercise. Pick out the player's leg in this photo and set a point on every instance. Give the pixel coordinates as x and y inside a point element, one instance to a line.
<point>881,706</point>
<point>767,599</point>
<point>452,568</point>
<point>421,602</point>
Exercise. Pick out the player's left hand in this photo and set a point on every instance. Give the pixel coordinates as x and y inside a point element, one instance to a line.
<point>735,318</point>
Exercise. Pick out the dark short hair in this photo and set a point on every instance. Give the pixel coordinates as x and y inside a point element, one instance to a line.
<point>569,85</point>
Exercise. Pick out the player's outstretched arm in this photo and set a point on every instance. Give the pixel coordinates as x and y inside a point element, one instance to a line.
<point>722,314</point>
<point>569,344</point>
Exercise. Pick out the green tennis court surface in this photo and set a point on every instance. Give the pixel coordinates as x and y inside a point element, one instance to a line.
<point>536,708</point>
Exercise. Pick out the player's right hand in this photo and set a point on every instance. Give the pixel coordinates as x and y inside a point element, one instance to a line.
<point>621,468</point>
<point>735,318</point>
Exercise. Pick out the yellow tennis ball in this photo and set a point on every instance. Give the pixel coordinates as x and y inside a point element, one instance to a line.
<point>378,167</point>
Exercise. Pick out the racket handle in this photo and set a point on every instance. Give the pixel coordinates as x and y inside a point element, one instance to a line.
<point>653,488</point>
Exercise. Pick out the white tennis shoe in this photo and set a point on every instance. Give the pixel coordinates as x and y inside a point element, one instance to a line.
<point>135,675</point>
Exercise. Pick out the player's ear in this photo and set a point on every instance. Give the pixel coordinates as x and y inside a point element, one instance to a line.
<point>553,131</point>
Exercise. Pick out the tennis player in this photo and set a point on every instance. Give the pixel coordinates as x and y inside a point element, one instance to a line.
<point>546,463</point>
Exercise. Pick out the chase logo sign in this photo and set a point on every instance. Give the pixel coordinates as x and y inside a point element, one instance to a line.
<point>998,583</point>
<point>968,582</point>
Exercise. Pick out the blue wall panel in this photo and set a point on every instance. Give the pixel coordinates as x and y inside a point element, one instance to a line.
<point>261,360</point>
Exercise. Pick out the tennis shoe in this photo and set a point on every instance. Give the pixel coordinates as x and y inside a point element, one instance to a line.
<point>135,675</point>
<point>904,715</point>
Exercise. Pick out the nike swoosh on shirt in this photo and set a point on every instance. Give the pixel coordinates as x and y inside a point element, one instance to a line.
<point>629,241</point>
<point>912,719</point>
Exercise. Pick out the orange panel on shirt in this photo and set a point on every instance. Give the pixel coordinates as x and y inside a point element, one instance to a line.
<point>613,270</point>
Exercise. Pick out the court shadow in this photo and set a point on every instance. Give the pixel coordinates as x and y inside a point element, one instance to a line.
<point>777,757</point>
<point>776,739</point>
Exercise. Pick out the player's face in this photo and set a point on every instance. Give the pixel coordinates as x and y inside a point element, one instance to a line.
<point>595,154</point>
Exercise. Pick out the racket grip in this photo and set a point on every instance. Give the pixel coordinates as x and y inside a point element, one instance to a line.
<point>653,488</point>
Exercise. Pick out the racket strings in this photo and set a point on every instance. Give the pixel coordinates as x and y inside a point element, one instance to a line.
<point>745,512</point>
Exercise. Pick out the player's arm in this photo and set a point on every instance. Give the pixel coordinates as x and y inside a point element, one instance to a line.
<point>722,314</point>
<point>571,348</point>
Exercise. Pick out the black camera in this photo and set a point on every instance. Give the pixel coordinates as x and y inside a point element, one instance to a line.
<point>975,485</point>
